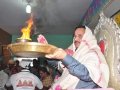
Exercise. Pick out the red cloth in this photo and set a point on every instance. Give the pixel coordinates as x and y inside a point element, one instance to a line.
<point>102,46</point>
<point>42,39</point>
<point>69,51</point>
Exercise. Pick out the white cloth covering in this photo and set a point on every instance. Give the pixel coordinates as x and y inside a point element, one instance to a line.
<point>90,55</point>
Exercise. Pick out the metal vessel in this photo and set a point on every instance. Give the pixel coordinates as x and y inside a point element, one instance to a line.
<point>30,49</point>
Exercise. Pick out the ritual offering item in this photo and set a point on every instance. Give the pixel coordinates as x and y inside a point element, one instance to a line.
<point>31,49</point>
<point>26,31</point>
<point>26,48</point>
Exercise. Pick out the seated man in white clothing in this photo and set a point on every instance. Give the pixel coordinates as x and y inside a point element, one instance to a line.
<point>24,80</point>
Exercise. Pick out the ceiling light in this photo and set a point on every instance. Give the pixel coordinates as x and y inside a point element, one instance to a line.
<point>28,8</point>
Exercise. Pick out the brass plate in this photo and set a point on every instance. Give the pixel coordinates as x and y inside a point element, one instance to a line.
<point>31,49</point>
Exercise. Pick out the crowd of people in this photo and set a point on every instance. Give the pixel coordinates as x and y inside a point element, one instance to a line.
<point>18,76</point>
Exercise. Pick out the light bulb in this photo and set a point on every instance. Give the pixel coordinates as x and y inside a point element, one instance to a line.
<point>28,8</point>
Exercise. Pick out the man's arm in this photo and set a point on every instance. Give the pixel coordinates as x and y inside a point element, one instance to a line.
<point>76,68</point>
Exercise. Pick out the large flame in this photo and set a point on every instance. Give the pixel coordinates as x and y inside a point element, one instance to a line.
<point>27,30</point>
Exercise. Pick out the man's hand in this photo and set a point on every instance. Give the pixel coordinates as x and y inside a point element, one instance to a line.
<point>57,54</point>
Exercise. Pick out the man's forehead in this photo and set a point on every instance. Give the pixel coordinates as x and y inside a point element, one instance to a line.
<point>79,30</point>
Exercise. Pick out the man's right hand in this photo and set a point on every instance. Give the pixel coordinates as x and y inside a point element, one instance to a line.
<point>59,53</point>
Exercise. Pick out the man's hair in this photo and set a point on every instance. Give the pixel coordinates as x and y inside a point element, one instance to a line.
<point>80,26</point>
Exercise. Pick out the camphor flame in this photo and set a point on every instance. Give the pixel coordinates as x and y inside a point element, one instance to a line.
<point>27,30</point>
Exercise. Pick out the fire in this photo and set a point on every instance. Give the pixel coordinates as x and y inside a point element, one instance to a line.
<point>27,30</point>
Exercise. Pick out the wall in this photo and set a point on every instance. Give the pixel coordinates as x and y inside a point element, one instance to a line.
<point>59,40</point>
<point>5,39</point>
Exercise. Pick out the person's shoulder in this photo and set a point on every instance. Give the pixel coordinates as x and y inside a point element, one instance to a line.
<point>13,76</point>
<point>93,54</point>
<point>3,73</point>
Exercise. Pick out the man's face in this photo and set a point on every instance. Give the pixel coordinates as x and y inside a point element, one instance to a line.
<point>78,35</point>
